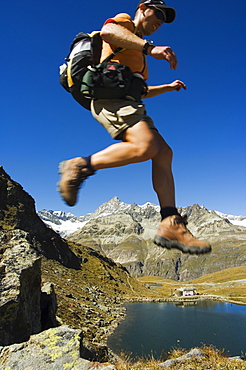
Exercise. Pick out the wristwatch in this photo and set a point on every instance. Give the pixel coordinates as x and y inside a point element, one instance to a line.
<point>146,45</point>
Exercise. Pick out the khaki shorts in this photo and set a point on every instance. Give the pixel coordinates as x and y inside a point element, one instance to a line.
<point>117,115</point>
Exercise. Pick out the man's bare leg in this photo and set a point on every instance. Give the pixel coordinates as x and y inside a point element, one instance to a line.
<point>141,143</point>
<point>162,176</point>
<point>172,232</point>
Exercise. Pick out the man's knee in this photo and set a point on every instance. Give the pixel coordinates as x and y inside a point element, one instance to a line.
<point>145,141</point>
<point>165,154</point>
<point>147,150</point>
<point>168,152</point>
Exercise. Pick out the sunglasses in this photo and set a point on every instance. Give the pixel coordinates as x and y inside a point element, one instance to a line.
<point>159,13</point>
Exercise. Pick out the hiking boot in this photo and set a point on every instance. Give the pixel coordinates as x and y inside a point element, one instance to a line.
<point>73,173</point>
<point>173,233</point>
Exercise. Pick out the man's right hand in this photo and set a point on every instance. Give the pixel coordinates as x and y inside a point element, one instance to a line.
<point>164,53</point>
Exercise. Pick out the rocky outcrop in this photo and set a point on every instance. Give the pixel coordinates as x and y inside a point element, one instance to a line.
<point>47,283</point>
<point>17,211</point>
<point>20,288</point>
<point>58,348</point>
<point>26,307</point>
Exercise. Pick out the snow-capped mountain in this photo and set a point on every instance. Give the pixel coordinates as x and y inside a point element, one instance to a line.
<point>67,223</point>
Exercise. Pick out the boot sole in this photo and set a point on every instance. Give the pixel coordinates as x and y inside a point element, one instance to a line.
<point>61,167</point>
<point>60,171</point>
<point>174,244</point>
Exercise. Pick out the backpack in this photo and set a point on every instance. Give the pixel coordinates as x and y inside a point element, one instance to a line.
<point>85,51</point>
<point>85,77</point>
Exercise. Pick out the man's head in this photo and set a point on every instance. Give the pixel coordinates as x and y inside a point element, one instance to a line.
<point>162,11</point>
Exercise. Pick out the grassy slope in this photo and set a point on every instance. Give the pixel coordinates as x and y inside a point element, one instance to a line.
<point>91,297</point>
<point>229,284</point>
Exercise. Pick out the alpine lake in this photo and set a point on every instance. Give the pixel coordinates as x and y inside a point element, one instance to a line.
<point>155,328</point>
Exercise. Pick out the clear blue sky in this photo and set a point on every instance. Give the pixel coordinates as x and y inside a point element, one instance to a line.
<point>206,126</point>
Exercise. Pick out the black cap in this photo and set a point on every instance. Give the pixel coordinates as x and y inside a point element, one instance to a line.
<point>170,12</point>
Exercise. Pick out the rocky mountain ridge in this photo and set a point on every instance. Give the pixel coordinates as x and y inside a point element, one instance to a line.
<point>126,237</point>
<point>124,232</point>
<point>67,223</point>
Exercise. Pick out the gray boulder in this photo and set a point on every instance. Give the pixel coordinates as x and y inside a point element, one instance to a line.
<point>20,292</point>
<point>195,352</point>
<point>53,349</point>
<point>48,306</point>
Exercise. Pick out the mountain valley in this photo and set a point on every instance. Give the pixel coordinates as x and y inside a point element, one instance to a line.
<point>60,299</point>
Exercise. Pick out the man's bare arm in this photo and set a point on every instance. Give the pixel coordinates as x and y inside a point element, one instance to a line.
<point>161,89</point>
<point>120,36</point>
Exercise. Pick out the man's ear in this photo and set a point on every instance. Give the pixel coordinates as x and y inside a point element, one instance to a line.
<point>142,7</point>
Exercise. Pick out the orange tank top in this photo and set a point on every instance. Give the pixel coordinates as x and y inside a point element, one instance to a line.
<point>134,59</point>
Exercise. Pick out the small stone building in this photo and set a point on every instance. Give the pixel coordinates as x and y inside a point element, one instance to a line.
<point>186,291</point>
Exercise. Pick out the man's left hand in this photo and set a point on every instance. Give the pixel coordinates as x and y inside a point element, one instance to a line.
<point>177,85</point>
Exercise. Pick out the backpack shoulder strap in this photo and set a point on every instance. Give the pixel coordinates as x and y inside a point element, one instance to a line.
<point>80,36</point>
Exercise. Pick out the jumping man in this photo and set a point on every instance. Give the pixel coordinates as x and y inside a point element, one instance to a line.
<point>127,121</point>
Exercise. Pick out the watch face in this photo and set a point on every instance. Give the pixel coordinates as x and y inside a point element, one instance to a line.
<point>146,45</point>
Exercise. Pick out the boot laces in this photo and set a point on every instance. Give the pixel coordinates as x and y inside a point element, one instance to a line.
<point>181,220</point>
<point>78,181</point>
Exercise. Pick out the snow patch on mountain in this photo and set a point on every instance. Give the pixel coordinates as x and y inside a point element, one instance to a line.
<point>148,204</point>
<point>66,227</point>
<point>63,223</point>
<point>235,220</point>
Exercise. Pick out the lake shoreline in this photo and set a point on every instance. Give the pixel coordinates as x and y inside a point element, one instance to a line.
<point>186,299</point>
<point>177,302</point>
